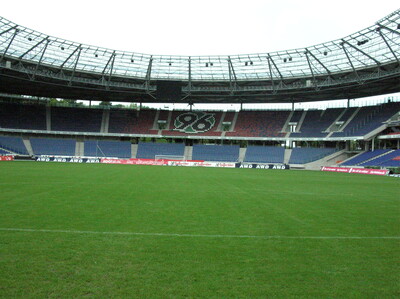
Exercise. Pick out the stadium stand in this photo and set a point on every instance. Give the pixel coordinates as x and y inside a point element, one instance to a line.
<point>17,116</point>
<point>316,122</point>
<point>131,121</point>
<point>296,116</point>
<point>264,154</point>
<point>3,152</point>
<point>148,150</point>
<point>260,124</point>
<point>104,148</point>
<point>361,158</point>
<point>225,153</point>
<point>229,116</point>
<point>53,146</point>
<point>212,132</point>
<point>14,144</point>
<point>367,119</point>
<point>309,154</point>
<point>390,158</point>
<point>76,119</point>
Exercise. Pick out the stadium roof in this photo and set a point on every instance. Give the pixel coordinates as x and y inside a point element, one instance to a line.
<point>362,64</point>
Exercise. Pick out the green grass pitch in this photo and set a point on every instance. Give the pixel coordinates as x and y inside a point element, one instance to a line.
<point>86,230</point>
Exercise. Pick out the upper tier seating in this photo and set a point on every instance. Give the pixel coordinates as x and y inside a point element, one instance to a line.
<point>368,119</point>
<point>213,131</point>
<point>259,124</point>
<point>14,144</point>
<point>148,150</point>
<point>264,154</point>
<point>76,119</point>
<point>309,154</point>
<point>104,148</point>
<point>131,121</point>
<point>316,122</point>
<point>28,117</point>
<point>53,146</point>
<point>226,153</point>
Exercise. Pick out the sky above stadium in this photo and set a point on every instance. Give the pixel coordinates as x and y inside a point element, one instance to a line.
<point>207,27</point>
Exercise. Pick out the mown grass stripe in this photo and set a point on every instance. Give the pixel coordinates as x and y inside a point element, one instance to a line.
<point>191,235</point>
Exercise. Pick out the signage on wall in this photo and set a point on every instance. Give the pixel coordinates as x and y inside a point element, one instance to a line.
<point>194,122</point>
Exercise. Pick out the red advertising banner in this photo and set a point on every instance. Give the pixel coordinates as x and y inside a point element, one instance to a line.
<point>134,161</point>
<point>140,161</point>
<point>6,158</point>
<point>356,170</point>
<point>202,164</point>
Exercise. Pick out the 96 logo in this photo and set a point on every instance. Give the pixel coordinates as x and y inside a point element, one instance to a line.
<point>194,122</point>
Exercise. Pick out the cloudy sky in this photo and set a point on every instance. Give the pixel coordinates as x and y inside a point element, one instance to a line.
<point>207,27</point>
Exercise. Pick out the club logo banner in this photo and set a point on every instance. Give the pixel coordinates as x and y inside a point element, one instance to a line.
<point>194,122</point>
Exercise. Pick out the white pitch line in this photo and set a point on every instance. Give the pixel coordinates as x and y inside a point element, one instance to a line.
<point>191,235</point>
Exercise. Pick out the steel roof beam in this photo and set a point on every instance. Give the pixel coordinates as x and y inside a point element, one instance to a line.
<point>387,28</point>
<point>362,52</point>
<point>390,48</point>
<point>277,69</point>
<point>76,63</point>
<point>65,61</point>
<point>232,72</point>
<point>309,65</point>
<point>280,75</point>
<point>348,58</point>
<point>8,30</point>
<point>148,74</point>
<point>270,73</point>
<point>33,47</point>
<point>323,65</point>
<point>41,58</point>
<point>190,75</point>
<point>9,44</point>
<point>108,62</point>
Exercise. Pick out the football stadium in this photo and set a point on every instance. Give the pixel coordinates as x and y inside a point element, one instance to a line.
<point>107,189</point>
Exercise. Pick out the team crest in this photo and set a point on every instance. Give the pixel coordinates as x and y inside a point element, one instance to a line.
<point>194,122</point>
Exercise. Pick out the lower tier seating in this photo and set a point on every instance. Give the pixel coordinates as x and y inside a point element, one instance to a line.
<point>309,154</point>
<point>225,153</point>
<point>102,148</point>
<point>13,144</point>
<point>53,146</point>
<point>264,154</point>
